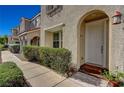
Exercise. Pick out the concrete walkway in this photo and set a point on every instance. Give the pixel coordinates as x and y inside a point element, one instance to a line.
<point>40,76</point>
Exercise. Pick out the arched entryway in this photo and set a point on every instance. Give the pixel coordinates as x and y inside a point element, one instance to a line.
<point>94,28</point>
<point>35,41</point>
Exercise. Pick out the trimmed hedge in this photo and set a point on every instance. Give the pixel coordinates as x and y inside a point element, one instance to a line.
<point>31,52</point>
<point>57,59</point>
<point>10,75</point>
<point>1,47</point>
<point>14,48</point>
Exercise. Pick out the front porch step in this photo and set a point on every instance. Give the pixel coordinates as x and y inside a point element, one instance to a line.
<point>92,69</point>
<point>87,80</point>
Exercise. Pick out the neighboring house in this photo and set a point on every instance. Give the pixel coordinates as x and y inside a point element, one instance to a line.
<point>28,31</point>
<point>89,32</point>
<point>14,37</point>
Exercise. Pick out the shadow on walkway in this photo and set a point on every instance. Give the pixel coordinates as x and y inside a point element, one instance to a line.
<point>22,58</point>
<point>82,77</point>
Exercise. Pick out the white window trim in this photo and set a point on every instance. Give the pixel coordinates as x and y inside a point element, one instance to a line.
<point>60,39</point>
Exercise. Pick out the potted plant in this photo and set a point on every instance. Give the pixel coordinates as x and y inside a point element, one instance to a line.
<point>114,78</point>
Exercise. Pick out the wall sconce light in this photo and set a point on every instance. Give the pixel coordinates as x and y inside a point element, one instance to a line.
<point>116,18</point>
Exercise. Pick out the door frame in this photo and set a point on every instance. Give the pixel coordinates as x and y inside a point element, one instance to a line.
<point>104,38</point>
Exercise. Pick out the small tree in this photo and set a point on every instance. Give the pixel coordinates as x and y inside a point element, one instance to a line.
<point>3,39</point>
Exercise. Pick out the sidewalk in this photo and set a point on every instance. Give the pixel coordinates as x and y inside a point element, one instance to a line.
<point>40,76</point>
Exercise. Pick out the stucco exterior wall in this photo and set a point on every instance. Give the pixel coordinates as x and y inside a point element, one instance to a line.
<point>71,17</point>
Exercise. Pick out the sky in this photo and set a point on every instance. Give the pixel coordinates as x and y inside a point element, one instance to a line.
<point>10,16</point>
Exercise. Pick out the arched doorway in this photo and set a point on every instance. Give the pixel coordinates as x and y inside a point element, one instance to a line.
<point>35,41</point>
<point>94,28</point>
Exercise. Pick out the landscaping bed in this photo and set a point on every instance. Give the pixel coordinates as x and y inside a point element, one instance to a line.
<point>57,59</point>
<point>2,47</point>
<point>115,78</point>
<point>11,75</point>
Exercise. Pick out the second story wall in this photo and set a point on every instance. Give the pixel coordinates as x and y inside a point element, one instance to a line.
<point>51,15</point>
<point>35,22</point>
<point>29,24</point>
<point>22,25</point>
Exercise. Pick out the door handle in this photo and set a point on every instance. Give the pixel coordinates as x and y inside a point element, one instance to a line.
<point>102,49</point>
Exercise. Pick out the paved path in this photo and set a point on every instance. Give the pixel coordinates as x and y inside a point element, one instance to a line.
<point>40,76</point>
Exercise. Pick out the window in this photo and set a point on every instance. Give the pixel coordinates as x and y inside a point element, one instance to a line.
<point>49,8</point>
<point>57,40</point>
<point>58,7</point>
<point>53,9</point>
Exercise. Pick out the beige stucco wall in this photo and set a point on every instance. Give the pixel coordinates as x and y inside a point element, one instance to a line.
<point>71,16</point>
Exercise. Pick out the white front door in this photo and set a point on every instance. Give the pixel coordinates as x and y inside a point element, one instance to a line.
<point>94,43</point>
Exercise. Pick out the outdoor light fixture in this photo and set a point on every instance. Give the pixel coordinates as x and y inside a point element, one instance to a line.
<point>116,18</point>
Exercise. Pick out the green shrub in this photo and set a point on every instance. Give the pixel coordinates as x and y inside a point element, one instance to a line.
<point>57,59</point>
<point>14,48</point>
<point>31,52</point>
<point>114,76</point>
<point>108,75</point>
<point>1,47</point>
<point>10,75</point>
